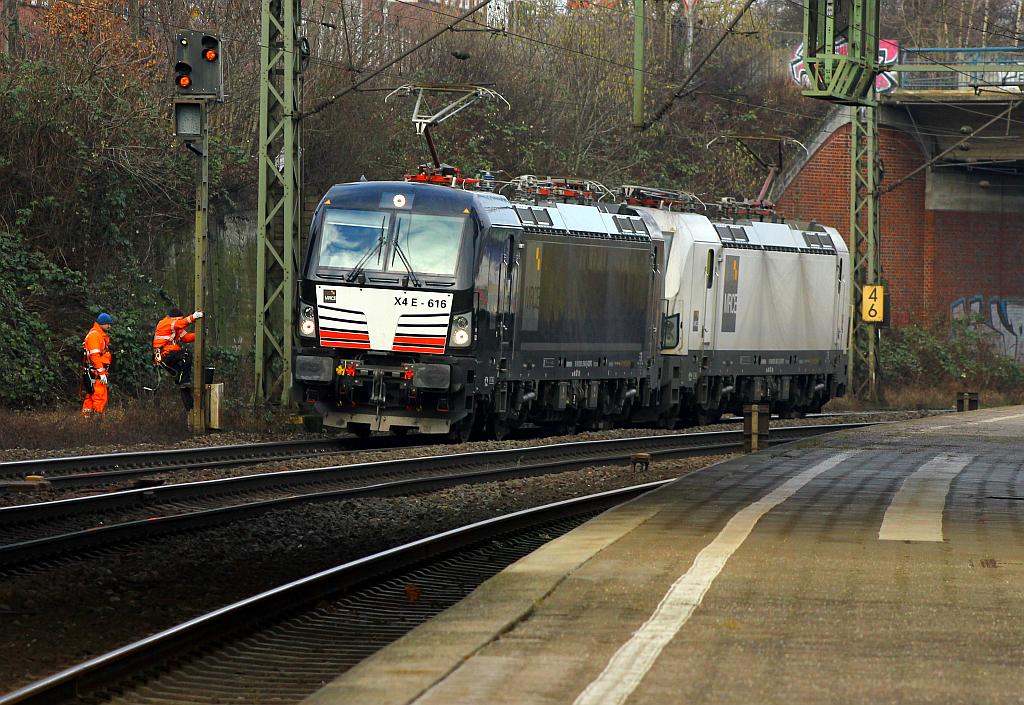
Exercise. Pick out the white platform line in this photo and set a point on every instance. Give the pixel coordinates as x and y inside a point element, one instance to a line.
<point>997,419</point>
<point>915,512</point>
<point>1000,418</point>
<point>634,659</point>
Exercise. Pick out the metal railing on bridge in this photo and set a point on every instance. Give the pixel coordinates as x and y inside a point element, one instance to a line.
<point>970,68</point>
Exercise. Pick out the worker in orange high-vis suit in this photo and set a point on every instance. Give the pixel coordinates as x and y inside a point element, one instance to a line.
<point>96,365</point>
<point>168,353</point>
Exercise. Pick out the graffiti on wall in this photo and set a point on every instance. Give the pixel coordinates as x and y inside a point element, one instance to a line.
<point>885,81</point>
<point>1002,317</point>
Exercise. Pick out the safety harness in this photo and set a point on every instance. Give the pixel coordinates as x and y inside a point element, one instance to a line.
<point>89,372</point>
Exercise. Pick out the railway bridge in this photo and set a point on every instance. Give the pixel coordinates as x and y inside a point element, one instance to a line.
<point>950,237</point>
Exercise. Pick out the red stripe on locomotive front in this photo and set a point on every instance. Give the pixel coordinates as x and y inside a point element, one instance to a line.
<point>411,348</point>
<point>335,335</point>
<point>343,344</point>
<point>419,340</point>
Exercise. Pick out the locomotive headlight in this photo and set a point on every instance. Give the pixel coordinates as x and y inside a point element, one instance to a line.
<point>307,324</point>
<point>462,331</point>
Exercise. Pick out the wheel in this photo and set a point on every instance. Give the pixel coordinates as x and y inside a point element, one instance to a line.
<point>706,418</point>
<point>499,429</point>
<point>360,430</point>
<point>460,432</point>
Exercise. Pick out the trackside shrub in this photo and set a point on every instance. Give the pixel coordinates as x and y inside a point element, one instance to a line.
<point>34,295</point>
<point>962,353</point>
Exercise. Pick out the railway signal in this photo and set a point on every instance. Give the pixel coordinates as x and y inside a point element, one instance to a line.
<point>198,71</point>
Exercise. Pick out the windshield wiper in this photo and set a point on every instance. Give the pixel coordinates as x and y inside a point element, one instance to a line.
<point>405,260</point>
<point>361,264</point>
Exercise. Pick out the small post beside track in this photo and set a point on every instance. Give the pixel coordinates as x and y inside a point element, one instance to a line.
<point>640,461</point>
<point>755,426</point>
<point>967,401</point>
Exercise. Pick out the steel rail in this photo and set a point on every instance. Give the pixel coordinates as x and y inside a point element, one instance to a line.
<point>490,466</point>
<point>86,469</point>
<point>246,614</point>
<point>586,451</point>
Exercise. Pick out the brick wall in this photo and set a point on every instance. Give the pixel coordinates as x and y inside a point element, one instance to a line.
<point>930,258</point>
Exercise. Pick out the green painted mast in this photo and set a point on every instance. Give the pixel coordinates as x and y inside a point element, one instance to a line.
<point>279,204</point>
<point>849,79</point>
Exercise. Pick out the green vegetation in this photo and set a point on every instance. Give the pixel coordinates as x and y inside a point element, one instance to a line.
<point>961,356</point>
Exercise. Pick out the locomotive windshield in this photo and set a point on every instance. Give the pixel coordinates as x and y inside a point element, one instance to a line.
<point>378,240</point>
<point>430,242</point>
<point>349,235</point>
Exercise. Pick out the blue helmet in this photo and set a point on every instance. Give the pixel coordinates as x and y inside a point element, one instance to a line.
<point>104,319</point>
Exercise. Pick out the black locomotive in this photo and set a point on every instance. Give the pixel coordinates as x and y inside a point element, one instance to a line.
<point>443,310</point>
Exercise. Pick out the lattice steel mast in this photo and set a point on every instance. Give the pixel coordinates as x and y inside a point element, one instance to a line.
<point>279,206</point>
<point>850,79</point>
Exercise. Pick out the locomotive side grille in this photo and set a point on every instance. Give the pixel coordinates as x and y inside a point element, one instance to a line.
<point>422,333</point>
<point>343,328</point>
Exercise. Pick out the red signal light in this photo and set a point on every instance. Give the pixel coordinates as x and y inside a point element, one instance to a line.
<point>184,81</point>
<point>210,54</point>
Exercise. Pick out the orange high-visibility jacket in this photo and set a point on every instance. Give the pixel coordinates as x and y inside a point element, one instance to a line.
<point>97,348</point>
<point>170,331</point>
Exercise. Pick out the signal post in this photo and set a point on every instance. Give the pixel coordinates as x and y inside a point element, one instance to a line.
<point>198,81</point>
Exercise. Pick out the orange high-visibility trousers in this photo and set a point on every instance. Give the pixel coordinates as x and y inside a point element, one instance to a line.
<point>97,401</point>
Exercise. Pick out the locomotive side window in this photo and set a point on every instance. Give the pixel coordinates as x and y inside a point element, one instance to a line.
<point>668,235</point>
<point>670,326</point>
<point>430,242</point>
<point>347,235</point>
<point>510,257</point>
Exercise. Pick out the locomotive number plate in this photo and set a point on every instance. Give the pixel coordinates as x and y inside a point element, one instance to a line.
<point>422,302</point>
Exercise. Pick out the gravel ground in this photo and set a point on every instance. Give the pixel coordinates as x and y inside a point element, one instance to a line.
<point>54,618</point>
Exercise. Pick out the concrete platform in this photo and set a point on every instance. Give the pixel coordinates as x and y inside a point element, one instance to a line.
<point>879,566</point>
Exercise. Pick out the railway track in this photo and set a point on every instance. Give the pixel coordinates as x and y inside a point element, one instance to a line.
<point>111,468</point>
<point>107,468</point>
<point>283,644</point>
<point>37,532</point>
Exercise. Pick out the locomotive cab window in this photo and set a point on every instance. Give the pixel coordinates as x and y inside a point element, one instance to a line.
<point>384,241</point>
<point>430,242</point>
<point>348,235</point>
